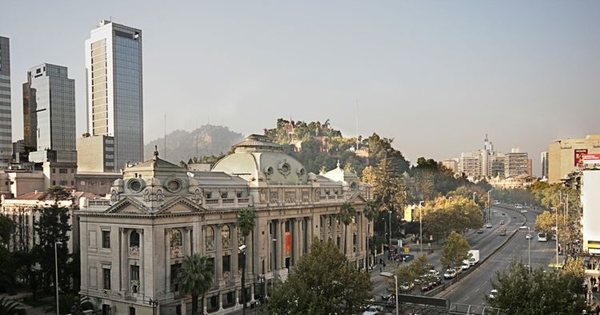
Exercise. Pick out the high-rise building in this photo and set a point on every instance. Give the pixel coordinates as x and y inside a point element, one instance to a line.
<point>5,104</point>
<point>544,162</point>
<point>114,91</point>
<point>565,155</point>
<point>49,114</point>
<point>516,164</point>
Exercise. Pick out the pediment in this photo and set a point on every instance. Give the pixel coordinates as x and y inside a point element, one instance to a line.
<point>128,205</point>
<point>180,205</point>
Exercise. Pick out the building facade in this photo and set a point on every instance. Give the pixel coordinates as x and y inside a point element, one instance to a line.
<point>159,212</point>
<point>5,104</point>
<point>564,155</point>
<point>49,114</point>
<point>115,89</point>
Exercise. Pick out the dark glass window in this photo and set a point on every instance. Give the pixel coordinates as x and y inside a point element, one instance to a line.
<point>106,277</point>
<point>105,239</point>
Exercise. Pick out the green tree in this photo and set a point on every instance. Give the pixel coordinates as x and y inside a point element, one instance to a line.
<point>370,212</point>
<point>246,219</point>
<point>195,277</point>
<point>8,307</point>
<point>388,190</point>
<point>444,215</point>
<point>53,227</point>
<point>455,250</point>
<point>346,215</point>
<point>409,273</point>
<point>543,292</point>
<point>323,282</point>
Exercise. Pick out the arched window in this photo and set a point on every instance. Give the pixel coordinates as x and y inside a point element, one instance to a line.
<point>225,232</point>
<point>210,234</point>
<point>175,238</point>
<point>134,239</point>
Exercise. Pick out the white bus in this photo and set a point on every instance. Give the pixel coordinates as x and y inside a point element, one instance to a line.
<point>542,237</point>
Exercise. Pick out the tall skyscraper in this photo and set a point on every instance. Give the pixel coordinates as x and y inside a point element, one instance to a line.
<point>114,91</point>
<point>5,108</point>
<point>49,114</point>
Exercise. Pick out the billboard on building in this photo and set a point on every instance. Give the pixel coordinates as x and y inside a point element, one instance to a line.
<point>288,244</point>
<point>591,202</point>
<point>590,158</point>
<point>578,156</point>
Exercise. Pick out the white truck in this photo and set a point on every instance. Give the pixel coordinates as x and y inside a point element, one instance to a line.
<point>473,256</point>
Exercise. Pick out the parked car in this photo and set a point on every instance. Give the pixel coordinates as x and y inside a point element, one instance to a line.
<point>371,310</point>
<point>450,273</point>
<point>493,294</point>
<point>404,257</point>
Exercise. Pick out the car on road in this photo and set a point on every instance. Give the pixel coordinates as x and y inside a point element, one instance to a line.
<point>371,310</point>
<point>523,227</point>
<point>502,222</point>
<point>524,211</point>
<point>480,231</point>
<point>503,232</point>
<point>493,294</point>
<point>450,273</point>
<point>489,225</point>
<point>528,236</point>
<point>404,257</point>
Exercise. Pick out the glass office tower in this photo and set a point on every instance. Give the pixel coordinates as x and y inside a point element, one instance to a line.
<point>5,108</point>
<point>114,90</point>
<point>49,114</point>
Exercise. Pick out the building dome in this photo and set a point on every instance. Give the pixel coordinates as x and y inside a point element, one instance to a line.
<point>258,159</point>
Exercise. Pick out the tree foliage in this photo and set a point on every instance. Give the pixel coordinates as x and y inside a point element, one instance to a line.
<point>195,277</point>
<point>543,292</point>
<point>323,282</point>
<point>408,273</point>
<point>246,220</point>
<point>455,250</point>
<point>458,214</point>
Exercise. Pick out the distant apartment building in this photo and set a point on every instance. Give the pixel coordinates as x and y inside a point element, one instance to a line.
<point>5,104</point>
<point>49,115</point>
<point>115,96</point>
<point>564,155</point>
<point>489,163</point>
<point>516,164</point>
<point>451,164</point>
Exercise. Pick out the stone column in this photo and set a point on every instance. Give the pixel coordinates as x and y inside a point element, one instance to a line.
<point>310,227</point>
<point>296,239</point>
<point>234,253</point>
<point>219,254</point>
<point>281,244</point>
<point>124,253</point>
<point>167,263</point>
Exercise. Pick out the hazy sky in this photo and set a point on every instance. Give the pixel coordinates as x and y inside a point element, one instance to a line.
<point>436,76</point>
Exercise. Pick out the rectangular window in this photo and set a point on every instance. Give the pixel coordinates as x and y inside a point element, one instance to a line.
<point>63,171</point>
<point>105,239</point>
<point>135,273</point>
<point>106,278</point>
<point>174,273</point>
<point>227,263</point>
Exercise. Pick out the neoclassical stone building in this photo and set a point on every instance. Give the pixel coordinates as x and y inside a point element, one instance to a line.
<point>132,248</point>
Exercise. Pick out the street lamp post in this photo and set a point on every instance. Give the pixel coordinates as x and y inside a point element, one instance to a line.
<point>56,275</point>
<point>474,193</point>
<point>390,213</point>
<point>529,252</point>
<point>389,275</point>
<point>154,303</point>
<point>421,227</point>
<point>489,206</point>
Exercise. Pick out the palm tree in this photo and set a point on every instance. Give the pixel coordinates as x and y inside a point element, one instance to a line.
<point>8,307</point>
<point>245,221</point>
<point>370,213</point>
<point>195,278</point>
<point>346,214</point>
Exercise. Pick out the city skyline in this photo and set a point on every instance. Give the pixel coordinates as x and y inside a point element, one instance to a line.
<point>434,76</point>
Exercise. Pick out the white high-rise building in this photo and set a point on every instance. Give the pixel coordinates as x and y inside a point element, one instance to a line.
<point>5,104</point>
<point>49,114</point>
<point>115,91</point>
